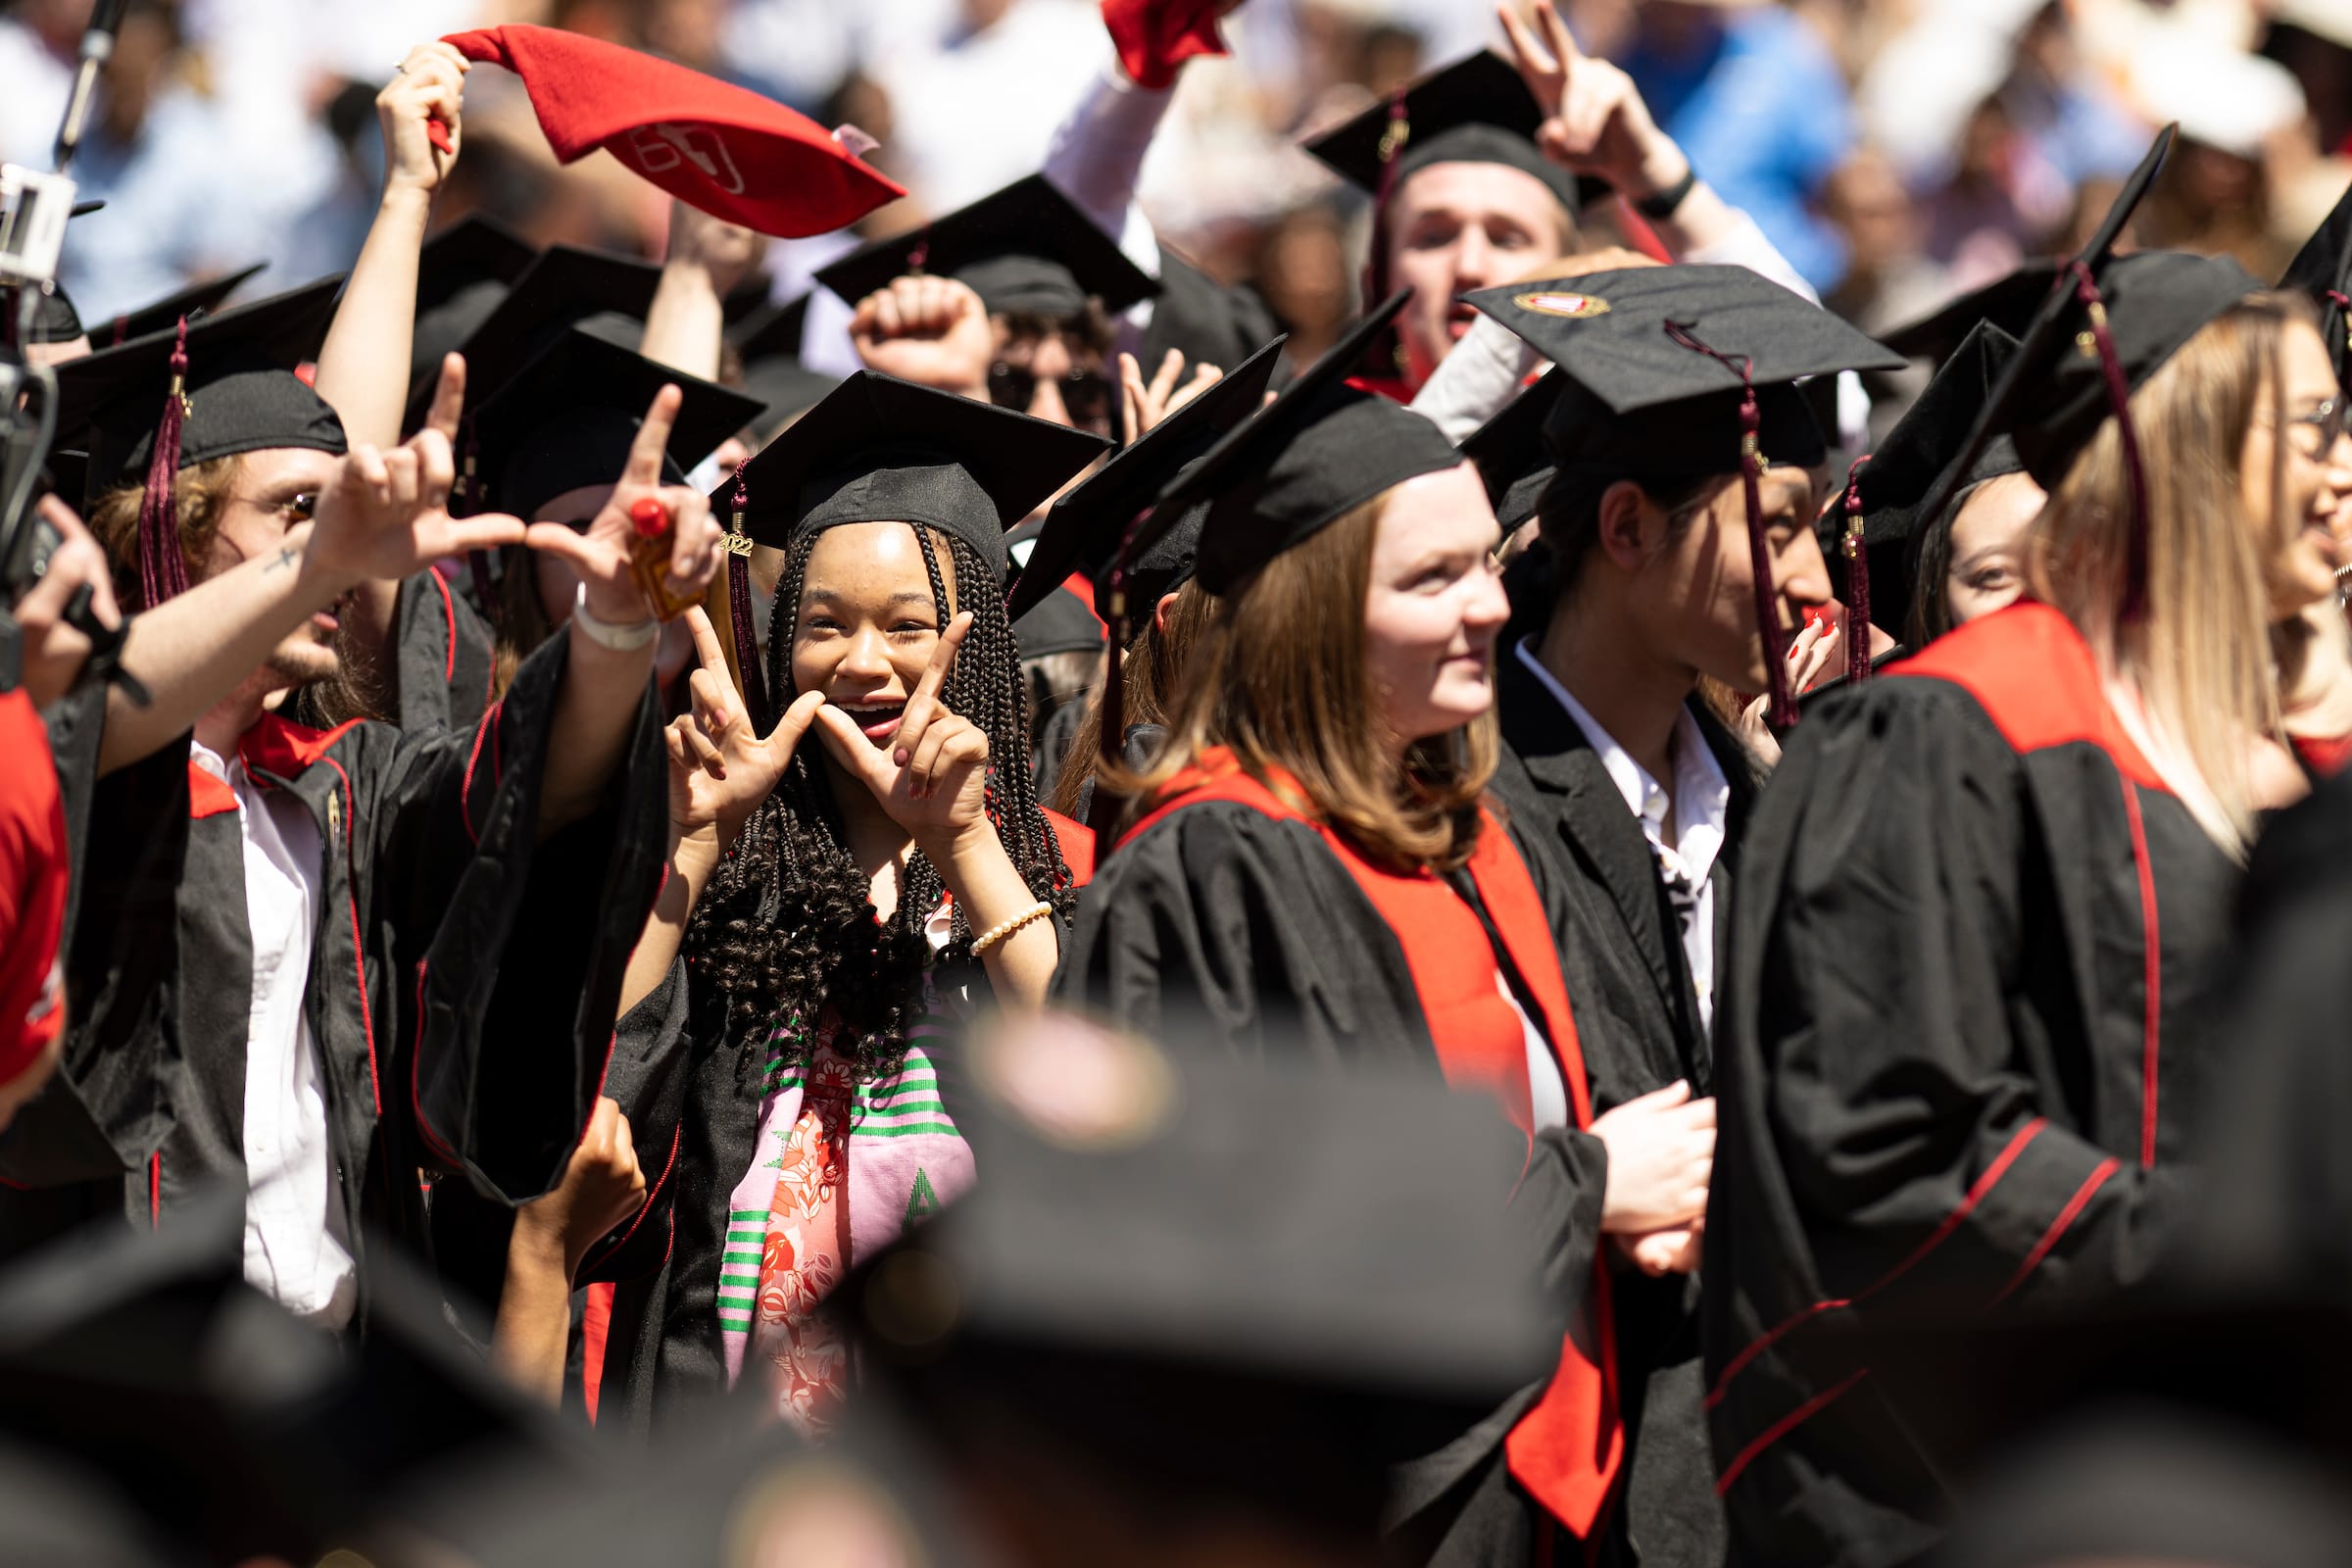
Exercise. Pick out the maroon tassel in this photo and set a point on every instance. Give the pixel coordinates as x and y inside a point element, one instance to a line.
<point>1102,811</point>
<point>1857,580</point>
<point>163,567</point>
<point>1393,138</point>
<point>2098,340</point>
<point>1781,713</point>
<point>739,614</point>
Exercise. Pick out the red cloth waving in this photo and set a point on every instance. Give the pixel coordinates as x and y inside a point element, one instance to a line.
<point>1155,37</point>
<point>721,148</point>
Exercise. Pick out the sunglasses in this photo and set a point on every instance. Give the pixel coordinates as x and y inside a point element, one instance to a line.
<point>1085,394</point>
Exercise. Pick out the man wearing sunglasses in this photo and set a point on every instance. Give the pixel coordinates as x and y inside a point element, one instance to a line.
<point>1009,300</point>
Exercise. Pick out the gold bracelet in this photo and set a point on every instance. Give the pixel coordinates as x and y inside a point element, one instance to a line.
<point>996,934</point>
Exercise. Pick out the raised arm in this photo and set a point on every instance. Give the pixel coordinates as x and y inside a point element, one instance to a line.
<point>364,366</point>
<point>707,260</point>
<point>605,670</point>
<point>383,516</point>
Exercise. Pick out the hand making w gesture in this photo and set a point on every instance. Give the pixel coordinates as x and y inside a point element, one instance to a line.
<point>932,774</point>
<point>600,555</point>
<point>719,769</point>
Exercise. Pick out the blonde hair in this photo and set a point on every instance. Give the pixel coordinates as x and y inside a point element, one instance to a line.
<point>1279,678</point>
<point>2194,664</point>
<point>198,493</point>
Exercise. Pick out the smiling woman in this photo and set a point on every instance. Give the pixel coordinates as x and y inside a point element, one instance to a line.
<point>844,889</point>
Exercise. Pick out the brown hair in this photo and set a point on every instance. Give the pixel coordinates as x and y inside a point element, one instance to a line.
<point>1280,680</point>
<point>522,624</point>
<point>198,493</point>
<point>2198,655</point>
<point>1151,682</point>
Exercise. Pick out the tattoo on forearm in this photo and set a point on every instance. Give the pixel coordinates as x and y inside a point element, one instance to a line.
<point>286,557</point>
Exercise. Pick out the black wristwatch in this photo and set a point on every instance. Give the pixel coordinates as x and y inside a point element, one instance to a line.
<point>1665,204</point>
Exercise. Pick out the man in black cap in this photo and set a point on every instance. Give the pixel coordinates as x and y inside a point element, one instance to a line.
<point>1008,299</point>
<point>1481,172</point>
<point>291,944</point>
<point>1649,575</point>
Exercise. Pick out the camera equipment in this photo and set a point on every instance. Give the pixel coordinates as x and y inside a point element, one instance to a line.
<point>34,210</point>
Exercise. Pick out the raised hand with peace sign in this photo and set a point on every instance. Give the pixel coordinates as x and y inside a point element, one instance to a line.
<point>601,553</point>
<point>1595,122</point>
<point>930,773</point>
<point>719,767</point>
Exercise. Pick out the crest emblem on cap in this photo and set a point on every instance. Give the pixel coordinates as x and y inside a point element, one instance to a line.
<point>1551,302</point>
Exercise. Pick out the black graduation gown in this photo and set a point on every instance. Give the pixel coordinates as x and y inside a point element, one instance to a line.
<point>1955,1059</point>
<point>1222,929</point>
<point>1637,1016</point>
<point>693,1104</point>
<point>446,655</point>
<point>462,980</point>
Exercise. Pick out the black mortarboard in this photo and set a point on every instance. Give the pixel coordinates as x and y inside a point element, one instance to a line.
<point>162,403</point>
<point>2074,364</point>
<point>1025,248</point>
<point>1315,453</point>
<point>769,343</point>
<point>2009,302</point>
<point>1059,623</point>
<point>56,311</point>
<point>248,1432</point>
<point>1683,373</point>
<point>1511,453</point>
<point>1165,1247</point>
<point>2323,270</point>
<point>462,273</point>
<point>1084,527</point>
<point>881,449</point>
<point>567,423</point>
<point>564,287</point>
<point>1475,111</point>
<point>1889,487</point>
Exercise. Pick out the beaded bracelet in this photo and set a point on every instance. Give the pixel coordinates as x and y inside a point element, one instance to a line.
<point>996,934</point>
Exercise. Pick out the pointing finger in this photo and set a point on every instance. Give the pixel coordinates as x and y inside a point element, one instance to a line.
<point>796,722</point>
<point>449,398</point>
<point>706,641</point>
<point>644,466</point>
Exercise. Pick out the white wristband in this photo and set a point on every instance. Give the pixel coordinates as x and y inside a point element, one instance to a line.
<point>604,634</point>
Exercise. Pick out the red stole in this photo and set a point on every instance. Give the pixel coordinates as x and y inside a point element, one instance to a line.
<point>1567,1449</point>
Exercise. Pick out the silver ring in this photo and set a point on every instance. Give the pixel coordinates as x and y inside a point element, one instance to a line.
<point>401,69</point>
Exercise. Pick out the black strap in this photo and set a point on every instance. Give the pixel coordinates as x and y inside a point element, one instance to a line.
<point>1464,884</point>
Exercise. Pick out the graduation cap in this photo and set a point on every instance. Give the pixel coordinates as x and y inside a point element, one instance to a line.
<point>1511,453</point>
<point>1171,1245</point>
<point>462,274</point>
<point>1886,489</point>
<point>1318,451</point>
<point>1025,248</point>
<point>1059,623</point>
<point>55,319</point>
<point>1084,528</point>
<point>567,423</point>
<point>565,286</point>
<point>1682,373</point>
<point>881,449</point>
<point>211,388</point>
<point>2009,302</point>
<point>249,1432</point>
<point>2085,349</point>
<point>1476,111</point>
<point>2323,270</point>
<point>769,344</point>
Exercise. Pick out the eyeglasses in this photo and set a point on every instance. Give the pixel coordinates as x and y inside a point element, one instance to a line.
<point>2325,424</point>
<point>1085,394</point>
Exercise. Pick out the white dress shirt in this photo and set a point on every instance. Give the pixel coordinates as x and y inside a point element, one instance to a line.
<point>1700,805</point>
<point>297,1243</point>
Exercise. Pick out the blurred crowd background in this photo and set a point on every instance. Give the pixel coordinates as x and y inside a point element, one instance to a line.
<point>1896,151</point>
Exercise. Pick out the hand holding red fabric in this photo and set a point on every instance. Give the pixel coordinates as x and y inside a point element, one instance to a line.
<point>718,147</point>
<point>1155,37</point>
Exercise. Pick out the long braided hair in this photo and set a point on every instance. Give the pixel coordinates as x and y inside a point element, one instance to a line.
<point>787,933</point>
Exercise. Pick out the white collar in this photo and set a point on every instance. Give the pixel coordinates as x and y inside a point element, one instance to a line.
<point>1701,792</point>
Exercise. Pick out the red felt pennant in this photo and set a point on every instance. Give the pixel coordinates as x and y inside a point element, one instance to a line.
<point>1155,37</point>
<point>714,146</point>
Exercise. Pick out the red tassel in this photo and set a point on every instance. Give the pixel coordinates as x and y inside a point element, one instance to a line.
<point>1781,713</point>
<point>739,614</point>
<point>1112,718</point>
<point>2098,340</point>
<point>163,567</point>
<point>1857,580</point>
